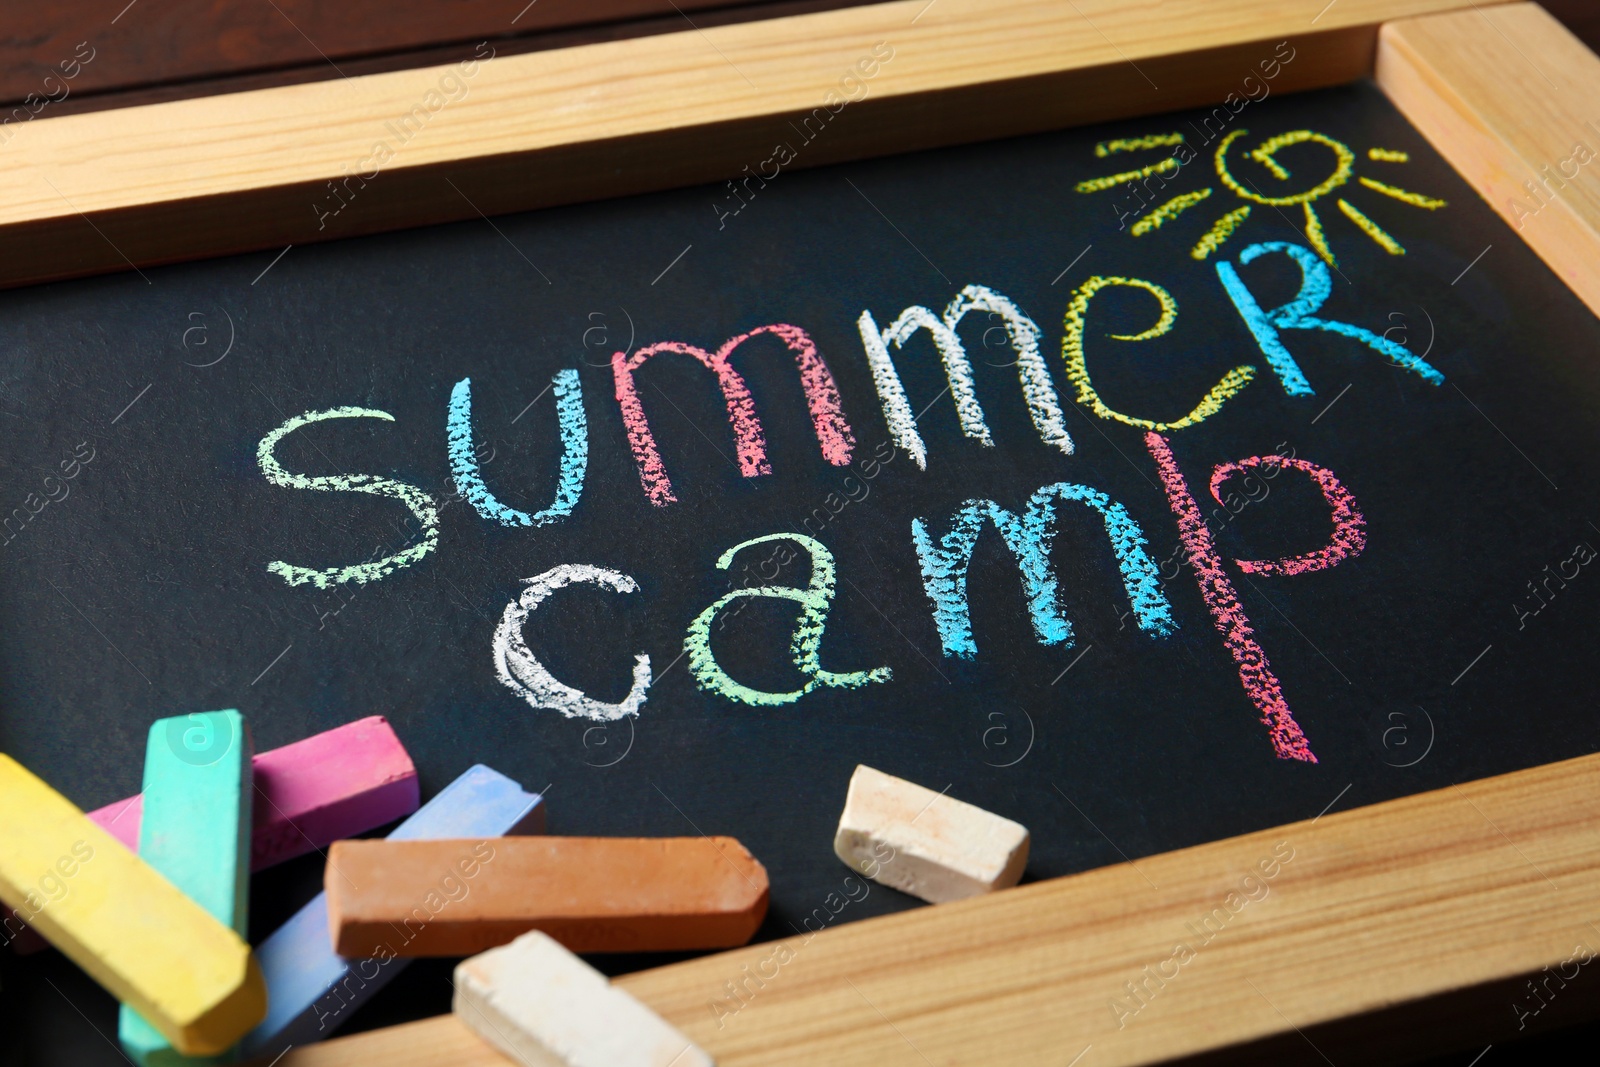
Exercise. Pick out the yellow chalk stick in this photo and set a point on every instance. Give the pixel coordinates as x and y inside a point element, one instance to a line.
<point>149,945</point>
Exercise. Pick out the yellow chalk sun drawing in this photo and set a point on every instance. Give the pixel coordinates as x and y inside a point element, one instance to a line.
<point>1266,156</point>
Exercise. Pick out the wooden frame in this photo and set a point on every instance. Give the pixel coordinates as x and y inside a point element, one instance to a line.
<point>1434,907</point>
<point>1506,100</point>
<point>1462,891</point>
<point>97,192</point>
<point>182,49</point>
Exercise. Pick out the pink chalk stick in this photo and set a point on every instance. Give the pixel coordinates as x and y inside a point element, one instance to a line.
<point>328,787</point>
<point>310,794</point>
<point>121,819</point>
<point>331,786</point>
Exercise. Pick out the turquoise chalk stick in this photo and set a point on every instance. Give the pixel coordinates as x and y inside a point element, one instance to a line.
<point>311,990</point>
<point>198,788</point>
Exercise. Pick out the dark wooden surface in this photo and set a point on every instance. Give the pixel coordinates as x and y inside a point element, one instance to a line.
<point>150,42</point>
<point>1582,17</point>
<point>153,50</point>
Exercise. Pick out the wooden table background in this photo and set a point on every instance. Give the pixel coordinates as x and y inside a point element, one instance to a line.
<point>151,50</point>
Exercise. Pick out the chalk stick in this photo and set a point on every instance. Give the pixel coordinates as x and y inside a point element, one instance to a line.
<point>592,894</point>
<point>122,819</point>
<point>544,1007</point>
<point>119,819</point>
<point>316,791</point>
<point>330,786</point>
<point>311,793</point>
<point>925,843</point>
<point>196,833</point>
<point>132,930</point>
<point>312,989</point>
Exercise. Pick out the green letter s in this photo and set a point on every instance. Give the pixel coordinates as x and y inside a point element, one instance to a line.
<point>420,503</point>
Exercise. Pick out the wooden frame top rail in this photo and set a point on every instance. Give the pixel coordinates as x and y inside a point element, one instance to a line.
<point>90,193</point>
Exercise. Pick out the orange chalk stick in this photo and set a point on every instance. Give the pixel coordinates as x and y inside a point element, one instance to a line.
<point>592,894</point>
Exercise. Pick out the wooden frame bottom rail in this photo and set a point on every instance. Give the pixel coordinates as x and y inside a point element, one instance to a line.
<point>1434,906</point>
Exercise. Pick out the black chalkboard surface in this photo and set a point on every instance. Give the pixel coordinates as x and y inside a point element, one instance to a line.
<point>1440,435</point>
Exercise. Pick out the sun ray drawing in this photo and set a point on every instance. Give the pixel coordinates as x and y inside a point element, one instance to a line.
<point>1288,170</point>
<point>1111,181</point>
<point>1370,228</point>
<point>1135,144</point>
<point>1168,211</point>
<point>1314,233</point>
<point>1414,199</point>
<point>1220,231</point>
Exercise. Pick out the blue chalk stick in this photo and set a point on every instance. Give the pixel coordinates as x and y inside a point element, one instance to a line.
<point>311,991</point>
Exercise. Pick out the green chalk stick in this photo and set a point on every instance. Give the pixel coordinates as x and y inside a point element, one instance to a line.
<point>198,789</point>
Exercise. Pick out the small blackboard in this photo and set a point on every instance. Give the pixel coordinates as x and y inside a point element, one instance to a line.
<point>1406,467</point>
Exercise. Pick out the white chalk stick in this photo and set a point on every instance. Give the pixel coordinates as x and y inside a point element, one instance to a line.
<point>925,843</point>
<point>544,1007</point>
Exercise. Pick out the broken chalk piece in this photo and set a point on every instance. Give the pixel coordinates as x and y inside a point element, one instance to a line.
<point>313,990</point>
<point>592,894</point>
<point>925,843</point>
<point>132,930</point>
<point>542,1006</point>
<point>311,793</point>
<point>196,833</point>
